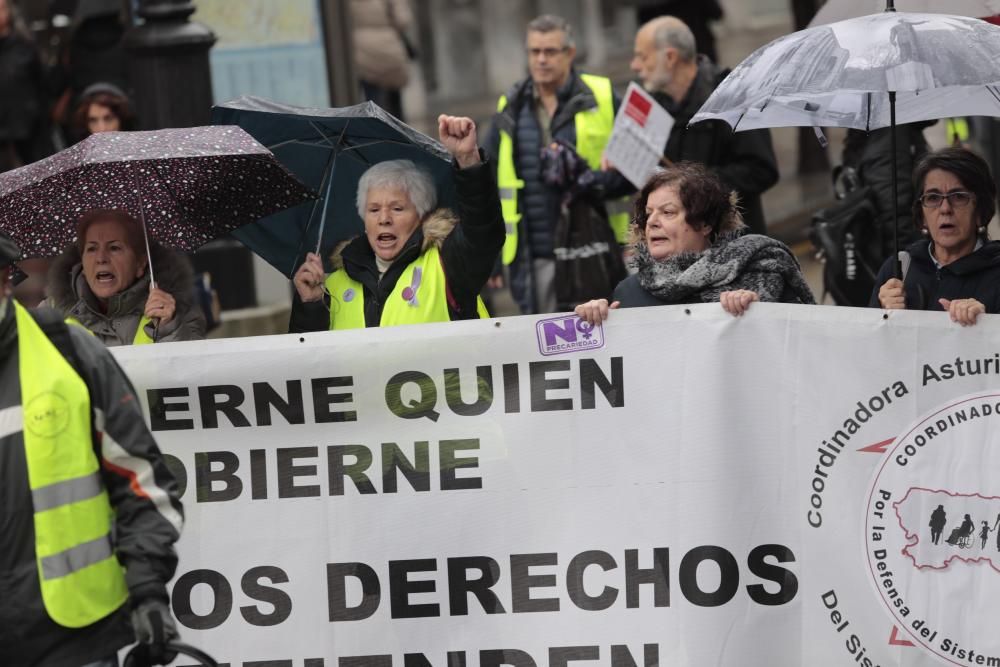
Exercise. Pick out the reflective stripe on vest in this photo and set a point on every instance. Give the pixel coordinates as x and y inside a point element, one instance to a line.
<point>508,185</point>
<point>80,578</point>
<point>420,296</point>
<point>593,129</point>
<point>141,337</point>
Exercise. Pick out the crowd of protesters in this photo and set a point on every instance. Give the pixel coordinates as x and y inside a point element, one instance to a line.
<point>696,234</point>
<point>543,154</point>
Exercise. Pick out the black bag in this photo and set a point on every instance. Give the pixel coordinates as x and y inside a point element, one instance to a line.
<point>589,263</point>
<point>847,242</point>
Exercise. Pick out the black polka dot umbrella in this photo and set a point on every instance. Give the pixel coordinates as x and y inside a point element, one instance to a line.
<point>188,185</point>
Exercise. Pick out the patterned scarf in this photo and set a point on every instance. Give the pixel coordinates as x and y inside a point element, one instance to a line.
<point>733,262</point>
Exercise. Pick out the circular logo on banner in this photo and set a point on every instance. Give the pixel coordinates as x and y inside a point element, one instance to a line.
<point>46,415</point>
<point>932,531</point>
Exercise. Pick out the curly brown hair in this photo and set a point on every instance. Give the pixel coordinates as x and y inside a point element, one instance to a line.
<point>705,200</point>
<point>119,106</point>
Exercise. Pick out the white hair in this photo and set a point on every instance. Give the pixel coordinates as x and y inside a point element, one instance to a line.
<point>403,175</point>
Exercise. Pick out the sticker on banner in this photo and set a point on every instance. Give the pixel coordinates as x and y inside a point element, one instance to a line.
<point>566,334</point>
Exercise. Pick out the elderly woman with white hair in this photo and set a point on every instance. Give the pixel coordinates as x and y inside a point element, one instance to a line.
<point>414,263</point>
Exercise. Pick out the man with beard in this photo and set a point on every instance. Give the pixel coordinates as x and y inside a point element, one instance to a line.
<point>667,62</point>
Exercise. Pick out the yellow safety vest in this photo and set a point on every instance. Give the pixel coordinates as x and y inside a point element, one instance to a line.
<point>593,129</point>
<point>420,296</point>
<point>141,337</point>
<point>80,577</point>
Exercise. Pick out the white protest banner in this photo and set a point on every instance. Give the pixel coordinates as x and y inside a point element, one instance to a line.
<point>640,133</point>
<point>679,487</point>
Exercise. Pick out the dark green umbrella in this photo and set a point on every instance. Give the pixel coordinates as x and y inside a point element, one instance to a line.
<point>328,150</point>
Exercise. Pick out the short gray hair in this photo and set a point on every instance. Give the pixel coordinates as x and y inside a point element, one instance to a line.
<point>551,23</point>
<point>671,32</point>
<point>403,175</point>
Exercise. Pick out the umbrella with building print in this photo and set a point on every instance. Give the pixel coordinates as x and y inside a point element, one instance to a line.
<point>839,10</point>
<point>866,73</point>
<point>188,186</point>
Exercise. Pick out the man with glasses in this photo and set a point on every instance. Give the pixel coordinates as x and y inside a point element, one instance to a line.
<point>667,62</point>
<point>554,104</point>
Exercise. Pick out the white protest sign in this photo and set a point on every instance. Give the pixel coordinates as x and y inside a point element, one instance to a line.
<point>640,134</point>
<point>679,487</point>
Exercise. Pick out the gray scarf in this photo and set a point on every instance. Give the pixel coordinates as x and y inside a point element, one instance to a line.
<point>752,262</point>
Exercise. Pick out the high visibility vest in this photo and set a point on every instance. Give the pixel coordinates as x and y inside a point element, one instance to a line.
<point>957,130</point>
<point>593,129</point>
<point>420,296</point>
<point>80,577</point>
<point>141,337</point>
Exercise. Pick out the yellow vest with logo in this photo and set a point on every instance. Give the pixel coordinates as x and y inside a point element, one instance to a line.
<point>79,575</point>
<point>593,129</point>
<point>420,296</point>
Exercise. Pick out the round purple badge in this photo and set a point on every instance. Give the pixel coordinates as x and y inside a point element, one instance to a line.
<point>349,294</point>
<point>407,294</point>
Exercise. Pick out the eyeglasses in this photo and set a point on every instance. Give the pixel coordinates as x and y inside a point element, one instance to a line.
<point>957,199</point>
<point>548,53</point>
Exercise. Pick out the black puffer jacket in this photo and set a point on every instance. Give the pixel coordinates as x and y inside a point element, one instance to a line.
<point>975,276</point>
<point>744,161</point>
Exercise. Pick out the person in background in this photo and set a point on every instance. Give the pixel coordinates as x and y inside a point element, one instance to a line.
<point>382,50</point>
<point>691,247</point>
<point>667,63</point>
<point>24,103</point>
<point>103,282</point>
<point>414,263</point>
<point>955,267</point>
<point>696,14</point>
<point>103,107</point>
<point>89,511</point>
<point>555,103</point>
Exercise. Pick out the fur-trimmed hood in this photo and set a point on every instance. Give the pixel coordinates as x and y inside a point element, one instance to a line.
<point>172,270</point>
<point>431,232</point>
<point>116,324</point>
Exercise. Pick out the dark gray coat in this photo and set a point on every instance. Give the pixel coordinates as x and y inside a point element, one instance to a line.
<point>69,294</point>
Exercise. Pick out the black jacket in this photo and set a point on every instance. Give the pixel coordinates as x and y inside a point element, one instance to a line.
<point>468,254</point>
<point>539,204</point>
<point>744,161</point>
<point>141,490</point>
<point>975,276</point>
<point>870,154</point>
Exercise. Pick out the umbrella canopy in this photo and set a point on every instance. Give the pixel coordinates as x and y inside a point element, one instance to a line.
<point>188,185</point>
<point>839,75</point>
<point>328,149</point>
<point>839,10</point>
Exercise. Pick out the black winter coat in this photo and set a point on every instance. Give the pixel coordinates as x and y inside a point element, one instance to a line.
<point>870,154</point>
<point>134,474</point>
<point>468,254</point>
<point>744,161</point>
<point>975,276</point>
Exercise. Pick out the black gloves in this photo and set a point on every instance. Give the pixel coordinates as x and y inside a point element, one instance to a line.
<point>154,626</point>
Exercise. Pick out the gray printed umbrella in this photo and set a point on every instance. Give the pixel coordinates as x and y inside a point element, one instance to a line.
<point>866,73</point>
<point>188,186</point>
<point>838,10</point>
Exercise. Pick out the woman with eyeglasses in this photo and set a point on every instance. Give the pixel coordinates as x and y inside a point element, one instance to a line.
<point>955,267</point>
